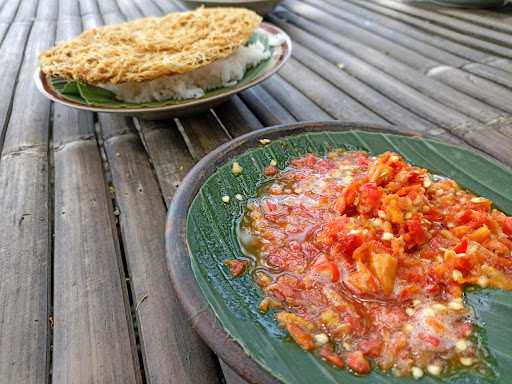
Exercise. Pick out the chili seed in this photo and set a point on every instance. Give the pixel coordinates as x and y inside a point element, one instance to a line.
<point>320,339</point>
<point>434,370</point>
<point>466,361</point>
<point>417,372</point>
<point>461,345</point>
<point>457,275</point>
<point>455,305</point>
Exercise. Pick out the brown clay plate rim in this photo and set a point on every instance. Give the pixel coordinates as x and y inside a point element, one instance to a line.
<point>44,87</point>
<point>202,317</point>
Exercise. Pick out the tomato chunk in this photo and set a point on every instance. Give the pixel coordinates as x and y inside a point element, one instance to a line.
<point>301,337</point>
<point>432,340</point>
<point>236,267</point>
<point>362,161</point>
<point>462,246</point>
<point>348,196</point>
<point>480,235</point>
<point>357,362</point>
<point>416,234</point>
<point>332,357</point>
<point>371,347</point>
<point>328,268</point>
<point>270,170</point>
<point>370,198</point>
<point>507,226</point>
<point>384,266</point>
<point>348,244</point>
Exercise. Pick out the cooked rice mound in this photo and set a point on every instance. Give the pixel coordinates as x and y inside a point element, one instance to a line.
<point>149,48</point>
<point>194,84</point>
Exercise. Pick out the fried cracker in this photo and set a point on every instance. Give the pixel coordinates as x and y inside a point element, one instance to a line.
<point>149,48</point>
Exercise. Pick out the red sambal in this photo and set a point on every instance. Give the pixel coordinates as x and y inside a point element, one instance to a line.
<point>365,260</point>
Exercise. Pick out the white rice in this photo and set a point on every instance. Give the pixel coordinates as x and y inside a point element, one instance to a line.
<point>192,85</point>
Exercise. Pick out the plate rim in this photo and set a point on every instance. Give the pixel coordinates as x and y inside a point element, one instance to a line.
<point>202,316</point>
<point>45,89</point>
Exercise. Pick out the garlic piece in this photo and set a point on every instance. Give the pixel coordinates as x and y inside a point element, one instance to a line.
<point>417,372</point>
<point>236,169</point>
<point>434,370</point>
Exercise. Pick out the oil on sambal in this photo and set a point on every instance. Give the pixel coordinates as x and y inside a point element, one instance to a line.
<point>365,259</point>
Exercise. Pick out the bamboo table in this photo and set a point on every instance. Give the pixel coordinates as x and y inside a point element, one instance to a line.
<point>84,292</point>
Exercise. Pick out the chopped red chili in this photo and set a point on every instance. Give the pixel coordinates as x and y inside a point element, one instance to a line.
<point>236,267</point>
<point>462,246</point>
<point>507,225</point>
<point>328,354</point>
<point>357,362</point>
<point>367,257</point>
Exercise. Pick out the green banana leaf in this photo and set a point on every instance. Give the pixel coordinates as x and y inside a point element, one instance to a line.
<point>100,97</point>
<point>212,237</point>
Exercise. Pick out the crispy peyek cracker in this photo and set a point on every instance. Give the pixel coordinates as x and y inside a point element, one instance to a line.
<point>149,48</point>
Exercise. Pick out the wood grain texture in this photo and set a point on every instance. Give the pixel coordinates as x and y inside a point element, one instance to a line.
<point>171,158</point>
<point>168,6</point>
<point>505,65</point>
<point>231,376</point>
<point>387,85</point>
<point>92,332</point>
<point>398,28</point>
<point>373,100</point>
<point>332,100</point>
<point>168,152</point>
<point>265,107</point>
<point>148,8</point>
<point>24,260</point>
<point>298,105</point>
<point>93,338</point>
<point>172,352</point>
<point>90,13</point>
<point>202,133</point>
<point>7,15</point>
<point>498,75</point>
<point>8,11</point>
<point>106,7</point>
<point>489,138</point>
<point>445,33</point>
<point>25,237</point>
<point>11,56</point>
<point>495,20</point>
<point>434,54</point>
<point>431,13</point>
<point>429,87</point>
<point>236,118</point>
<point>129,9</point>
<point>109,10</point>
<point>504,126</point>
<point>29,11</point>
<point>331,18</point>
<point>482,89</point>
